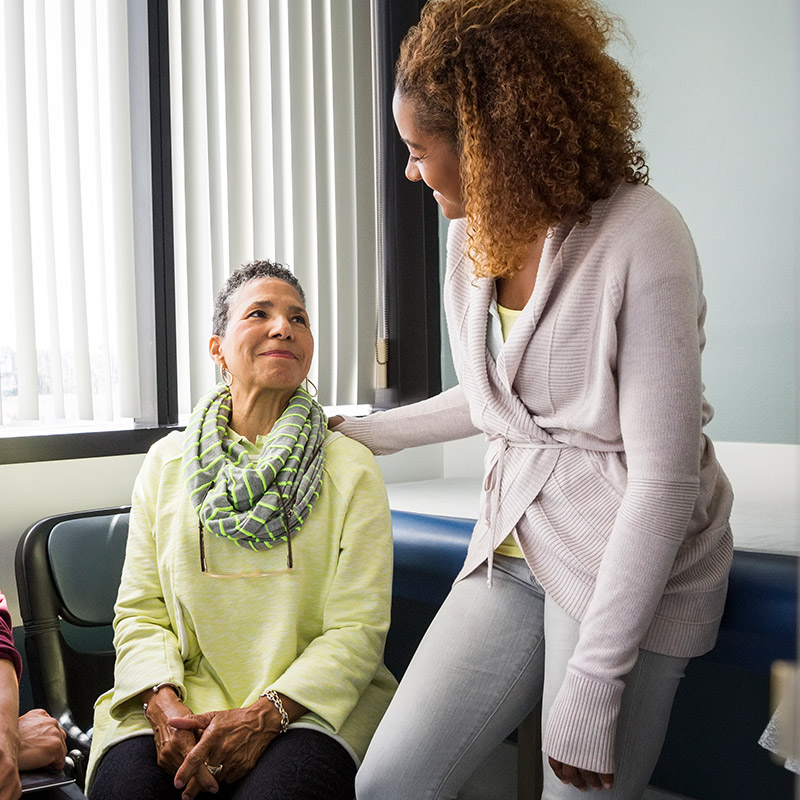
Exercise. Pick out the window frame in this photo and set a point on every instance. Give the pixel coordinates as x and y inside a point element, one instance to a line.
<point>410,227</point>
<point>107,440</point>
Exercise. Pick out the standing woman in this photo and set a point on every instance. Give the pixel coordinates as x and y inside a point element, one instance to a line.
<point>599,562</point>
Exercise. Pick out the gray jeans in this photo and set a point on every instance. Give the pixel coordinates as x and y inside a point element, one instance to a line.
<point>481,667</point>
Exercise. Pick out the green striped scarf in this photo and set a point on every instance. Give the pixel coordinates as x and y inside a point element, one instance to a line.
<point>241,498</point>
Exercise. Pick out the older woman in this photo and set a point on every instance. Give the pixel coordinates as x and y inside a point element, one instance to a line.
<point>255,596</point>
<point>575,310</point>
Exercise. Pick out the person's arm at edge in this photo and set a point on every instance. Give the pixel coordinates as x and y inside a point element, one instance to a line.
<point>440,418</point>
<point>29,742</point>
<point>10,788</point>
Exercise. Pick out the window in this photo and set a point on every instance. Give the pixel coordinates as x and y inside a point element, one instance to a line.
<point>70,339</point>
<point>272,144</point>
<point>154,147</point>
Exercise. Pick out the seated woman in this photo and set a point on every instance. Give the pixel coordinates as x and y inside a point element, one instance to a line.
<point>254,602</point>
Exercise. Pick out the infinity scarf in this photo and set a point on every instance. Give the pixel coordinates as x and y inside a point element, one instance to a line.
<point>254,503</point>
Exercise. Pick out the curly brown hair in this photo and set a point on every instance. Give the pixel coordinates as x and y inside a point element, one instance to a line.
<point>542,117</point>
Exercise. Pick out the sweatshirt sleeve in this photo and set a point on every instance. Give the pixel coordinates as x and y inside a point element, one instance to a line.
<point>349,649</point>
<point>441,418</point>
<point>147,647</point>
<point>659,330</point>
<point>7,649</point>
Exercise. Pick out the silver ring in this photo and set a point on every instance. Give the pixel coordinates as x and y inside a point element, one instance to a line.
<point>214,769</point>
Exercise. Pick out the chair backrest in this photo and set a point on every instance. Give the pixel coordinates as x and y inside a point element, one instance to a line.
<point>68,570</point>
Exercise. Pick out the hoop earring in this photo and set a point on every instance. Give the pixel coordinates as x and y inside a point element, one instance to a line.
<point>315,392</point>
<point>227,377</point>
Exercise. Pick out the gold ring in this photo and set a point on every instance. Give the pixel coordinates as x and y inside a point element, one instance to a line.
<point>213,769</point>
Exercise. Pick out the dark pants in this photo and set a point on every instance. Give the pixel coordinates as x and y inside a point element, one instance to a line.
<point>300,764</point>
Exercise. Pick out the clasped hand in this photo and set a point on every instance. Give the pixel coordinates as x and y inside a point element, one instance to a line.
<point>188,744</point>
<point>582,779</point>
<point>33,741</point>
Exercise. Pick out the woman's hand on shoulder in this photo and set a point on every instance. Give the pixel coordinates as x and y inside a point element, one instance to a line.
<point>233,739</point>
<point>334,421</point>
<point>581,778</point>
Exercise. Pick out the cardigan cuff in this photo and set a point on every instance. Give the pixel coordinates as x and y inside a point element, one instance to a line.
<point>582,724</point>
<point>125,700</point>
<point>360,429</point>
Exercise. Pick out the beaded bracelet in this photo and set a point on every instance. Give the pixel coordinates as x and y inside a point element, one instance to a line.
<point>275,699</point>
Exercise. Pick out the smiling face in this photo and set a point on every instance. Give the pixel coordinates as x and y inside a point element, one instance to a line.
<point>267,345</point>
<point>431,158</point>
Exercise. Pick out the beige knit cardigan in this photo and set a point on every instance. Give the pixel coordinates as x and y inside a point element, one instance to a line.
<point>596,458</point>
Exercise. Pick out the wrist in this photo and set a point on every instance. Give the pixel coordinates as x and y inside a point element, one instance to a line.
<point>9,740</point>
<point>278,710</point>
<point>161,693</point>
<point>277,701</point>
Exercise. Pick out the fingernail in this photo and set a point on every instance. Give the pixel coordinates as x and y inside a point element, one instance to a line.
<point>179,784</point>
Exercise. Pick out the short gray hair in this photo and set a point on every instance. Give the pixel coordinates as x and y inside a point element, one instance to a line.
<point>245,274</point>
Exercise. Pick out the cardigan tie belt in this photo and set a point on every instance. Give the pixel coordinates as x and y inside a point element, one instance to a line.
<point>492,483</point>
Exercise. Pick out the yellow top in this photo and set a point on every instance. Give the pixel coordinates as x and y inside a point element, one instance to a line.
<point>508,316</point>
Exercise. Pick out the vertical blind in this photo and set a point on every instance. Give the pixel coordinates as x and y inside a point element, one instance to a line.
<point>273,158</point>
<point>68,335</point>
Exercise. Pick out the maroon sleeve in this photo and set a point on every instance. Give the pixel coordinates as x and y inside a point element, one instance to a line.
<point>7,649</point>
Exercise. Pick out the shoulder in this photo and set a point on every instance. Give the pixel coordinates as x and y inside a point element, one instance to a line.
<point>634,211</point>
<point>348,463</point>
<point>635,233</point>
<point>163,459</point>
<point>344,453</point>
<point>168,448</point>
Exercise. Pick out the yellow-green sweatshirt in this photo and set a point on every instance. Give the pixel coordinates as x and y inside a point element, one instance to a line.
<point>315,633</point>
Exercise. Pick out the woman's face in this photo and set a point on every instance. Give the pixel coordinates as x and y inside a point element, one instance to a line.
<point>268,343</point>
<point>431,158</point>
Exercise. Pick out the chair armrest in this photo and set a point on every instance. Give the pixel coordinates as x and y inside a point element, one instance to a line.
<point>75,767</point>
<point>76,737</point>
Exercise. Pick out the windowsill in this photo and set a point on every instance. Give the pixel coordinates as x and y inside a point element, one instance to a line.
<point>66,427</point>
<point>58,444</point>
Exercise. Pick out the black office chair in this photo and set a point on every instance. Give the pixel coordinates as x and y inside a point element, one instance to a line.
<point>68,570</point>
